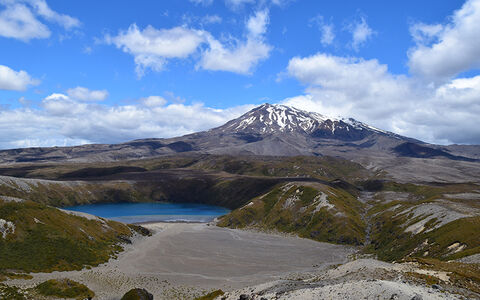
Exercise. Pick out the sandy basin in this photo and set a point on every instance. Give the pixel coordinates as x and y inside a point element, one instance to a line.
<point>181,260</point>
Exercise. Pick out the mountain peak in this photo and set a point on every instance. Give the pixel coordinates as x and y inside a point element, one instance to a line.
<point>270,118</point>
<point>277,119</point>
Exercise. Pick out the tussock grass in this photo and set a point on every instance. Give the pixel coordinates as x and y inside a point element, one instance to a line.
<point>64,288</point>
<point>211,295</point>
<point>47,239</point>
<point>292,209</point>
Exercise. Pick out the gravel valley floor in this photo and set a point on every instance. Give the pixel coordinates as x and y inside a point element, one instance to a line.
<point>183,260</point>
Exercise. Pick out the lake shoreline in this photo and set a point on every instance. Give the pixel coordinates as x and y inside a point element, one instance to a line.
<point>168,222</point>
<point>147,212</point>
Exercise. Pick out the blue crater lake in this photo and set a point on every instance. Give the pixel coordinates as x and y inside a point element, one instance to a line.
<point>153,212</point>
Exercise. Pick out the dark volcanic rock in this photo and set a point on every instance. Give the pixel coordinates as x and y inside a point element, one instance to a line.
<point>340,130</point>
<point>409,149</point>
<point>180,146</point>
<point>137,294</point>
<point>100,172</point>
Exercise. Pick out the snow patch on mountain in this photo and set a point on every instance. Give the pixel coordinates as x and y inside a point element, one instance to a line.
<point>268,118</point>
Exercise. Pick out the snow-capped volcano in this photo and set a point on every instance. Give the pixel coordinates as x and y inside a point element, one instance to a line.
<point>276,130</point>
<point>271,119</point>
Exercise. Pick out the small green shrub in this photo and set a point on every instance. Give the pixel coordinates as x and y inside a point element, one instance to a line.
<point>211,296</point>
<point>64,288</point>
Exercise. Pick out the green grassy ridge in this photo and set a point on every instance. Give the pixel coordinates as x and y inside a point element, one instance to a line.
<point>288,208</point>
<point>60,194</point>
<point>391,243</point>
<point>47,239</point>
<point>10,275</point>
<point>430,191</point>
<point>460,274</point>
<point>326,168</point>
<point>389,239</point>
<point>273,166</point>
<point>55,171</point>
<point>50,289</point>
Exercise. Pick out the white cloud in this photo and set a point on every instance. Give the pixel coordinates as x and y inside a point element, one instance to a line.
<point>202,2</point>
<point>61,105</point>
<point>56,96</point>
<point>241,59</point>
<point>211,19</point>
<point>153,101</point>
<point>236,4</point>
<point>84,94</point>
<point>327,34</point>
<point>425,33</point>
<point>281,2</point>
<point>367,91</point>
<point>257,24</point>
<point>361,33</point>
<point>19,19</point>
<point>15,80</point>
<point>152,47</point>
<point>46,12</point>
<point>243,56</point>
<point>63,121</point>
<point>191,20</point>
<point>443,51</point>
<point>326,29</point>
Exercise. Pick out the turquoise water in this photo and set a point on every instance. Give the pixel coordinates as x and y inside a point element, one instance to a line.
<point>152,212</point>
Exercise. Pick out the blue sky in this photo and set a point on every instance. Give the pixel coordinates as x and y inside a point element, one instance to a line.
<point>74,72</point>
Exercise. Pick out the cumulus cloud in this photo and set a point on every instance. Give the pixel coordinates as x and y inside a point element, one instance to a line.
<point>240,56</point>
<point>361,33</point>
<point>15,80</point>
<point>443,51</point>
<point>61,120</point>
<point>84,94</point>
<point>61,105</point>
<point>152,47</point>
<point>19,19</point>
<point>444,112</point>
<point>153,101</point>
<point>351,83</point>
<point>367,91</point>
